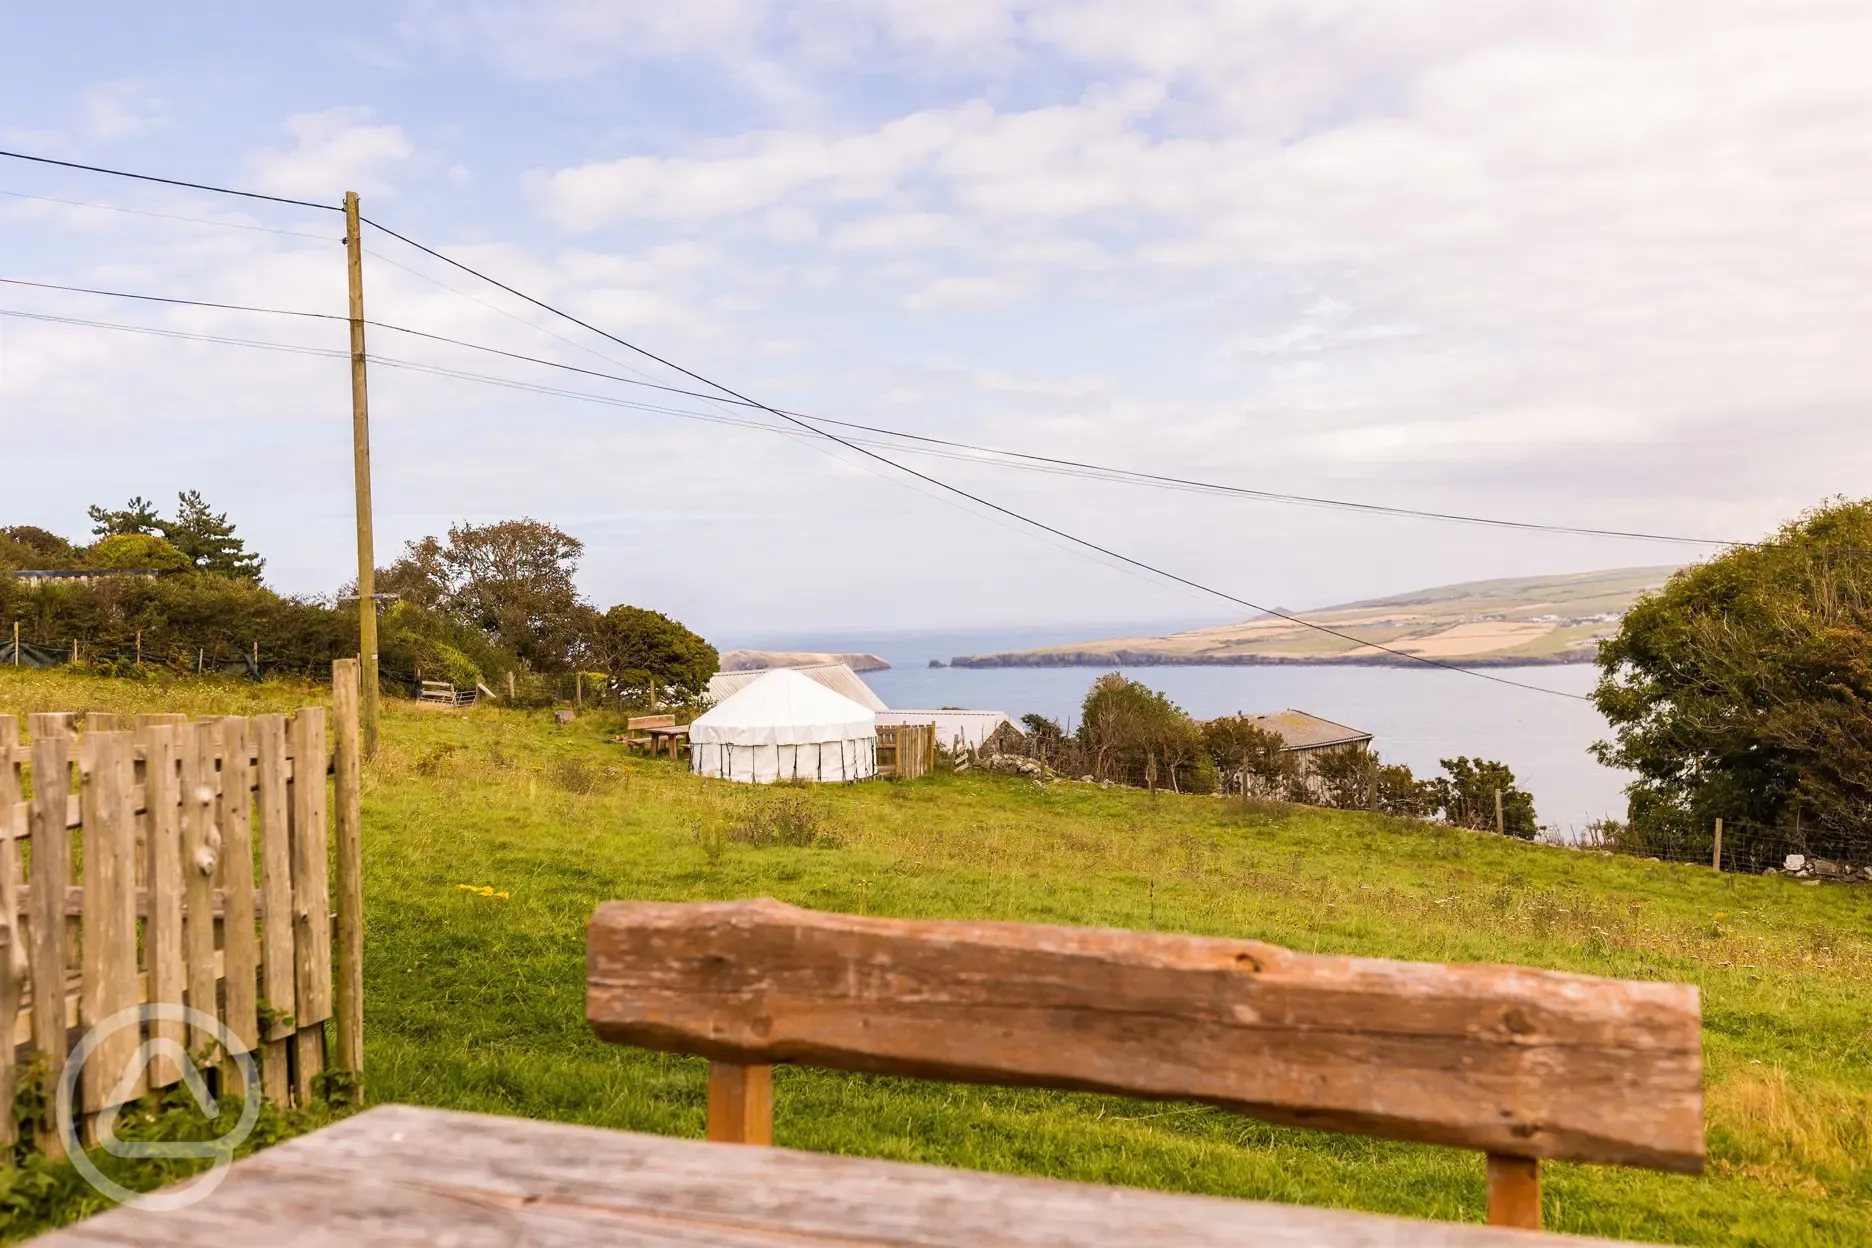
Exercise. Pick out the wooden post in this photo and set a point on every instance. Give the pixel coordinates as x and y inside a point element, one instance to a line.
<point>1716,854</point>
<point>162,934</point>
<point>360,464</point>
<point>201,857</point>
<point>139,648</point>
<point>74,649</point>
<point>578,691</point>
<point>12,941</point>
<point>311,902</point>
<point>240,945</point>
<point>16,655</point>
<point>276,921</point>
<point>740,1103</point>
<point>201,658</point>
<point>350,986</point>
<point>110,927</point>
<point>510,685</point>
<point>51,873</point>
<point>1501,828</point>
<point>1514,1192</point>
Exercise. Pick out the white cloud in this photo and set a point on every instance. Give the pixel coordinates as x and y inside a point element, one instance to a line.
<point>336,150</point>
<point>121,110</point>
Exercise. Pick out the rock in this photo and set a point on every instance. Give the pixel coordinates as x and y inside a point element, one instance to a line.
<point>937,663</point>
<point>1771,871</point>
<point>1091,780</point>
<point>1810,883</point>
<point>1794,862</point>
<point>1017,765</point>
<point>563,717</point>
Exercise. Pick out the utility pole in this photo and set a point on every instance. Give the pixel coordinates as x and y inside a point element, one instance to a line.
<point>360,458</point>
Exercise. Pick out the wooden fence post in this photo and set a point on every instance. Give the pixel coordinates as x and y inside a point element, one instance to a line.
<point>201,856</point>
<point>1501,828</point>
<point>1514,1191</point>
<point>51,872</point>
<point>240,945</point>
<point>162,933</point>
<point>350,988</point>
<point>110,936</point>
<point>1716,854</point>
<point>276,922</point>
<point>311,901</point>
<point>740,1103</point>
<point>12,941</point>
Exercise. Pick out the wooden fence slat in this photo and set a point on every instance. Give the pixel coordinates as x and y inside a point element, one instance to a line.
<point>12,939</point>
<point>1510,1060</point>
<point>201,844</point>
<point>51,871</point>
<point>276,943</point>
<point>109,943</point>
<point>162,932</point>
<point>240,943</point>
<point>349,1004</point>
<point>311,903</point>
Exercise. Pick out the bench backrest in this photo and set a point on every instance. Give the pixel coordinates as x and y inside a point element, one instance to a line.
<point>1522,1064</point>
<point>649,721</point>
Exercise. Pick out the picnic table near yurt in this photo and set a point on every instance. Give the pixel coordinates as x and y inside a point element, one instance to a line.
<point>785,726</point>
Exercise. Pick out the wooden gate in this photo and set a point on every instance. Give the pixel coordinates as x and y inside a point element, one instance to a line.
<point>183,864</point>
<point>906,750</point>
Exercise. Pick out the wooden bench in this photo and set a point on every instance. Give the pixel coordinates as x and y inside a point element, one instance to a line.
<point>637,735</point>
<point>1524,1065</point>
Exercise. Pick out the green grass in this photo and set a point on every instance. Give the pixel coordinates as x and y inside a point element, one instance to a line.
<point>476,1002</point>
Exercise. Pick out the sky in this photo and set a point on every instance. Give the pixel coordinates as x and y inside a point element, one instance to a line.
<point>1584,263</point>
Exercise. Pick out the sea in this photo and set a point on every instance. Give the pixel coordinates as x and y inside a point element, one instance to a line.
<point>1416,716</point>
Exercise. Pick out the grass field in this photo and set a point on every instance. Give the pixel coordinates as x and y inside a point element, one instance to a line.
<point>475,1001</point>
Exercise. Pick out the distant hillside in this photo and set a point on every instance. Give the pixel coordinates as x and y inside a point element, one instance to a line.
<point>1519,620</point>
<point>758,660</point>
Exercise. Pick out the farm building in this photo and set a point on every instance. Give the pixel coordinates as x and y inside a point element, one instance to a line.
<point>783,725</point>
<point>1309,734</point>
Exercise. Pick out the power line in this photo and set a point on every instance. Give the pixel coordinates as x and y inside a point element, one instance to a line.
<point>193,186</point>
<point>1028,460</point>
<point>972,497</point>
<point>222,340</point>
<point>167,216</point>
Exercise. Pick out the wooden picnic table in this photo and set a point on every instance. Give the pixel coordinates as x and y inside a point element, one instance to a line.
<point>397,1175</point>
<point>671,737</point>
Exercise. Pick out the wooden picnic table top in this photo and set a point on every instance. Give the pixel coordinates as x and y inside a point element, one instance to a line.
<point>397,1175</point>
<point>668,730</point>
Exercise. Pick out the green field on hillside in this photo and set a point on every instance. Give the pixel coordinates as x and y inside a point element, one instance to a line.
<point>475,1001</point>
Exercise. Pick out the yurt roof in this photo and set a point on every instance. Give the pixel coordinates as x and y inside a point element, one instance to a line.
<point>838,677</point>
<point>784,707</point>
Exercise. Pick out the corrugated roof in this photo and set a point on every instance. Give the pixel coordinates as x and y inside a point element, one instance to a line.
<point>1302,731</point>
<point>837,677</point>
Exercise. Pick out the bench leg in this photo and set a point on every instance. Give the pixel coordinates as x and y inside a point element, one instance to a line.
<point>1513,1191</point>
<point>740,1103</point>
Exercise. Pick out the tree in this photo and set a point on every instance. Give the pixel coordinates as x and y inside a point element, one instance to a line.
<point>1742,690</point>
<point>512,580</point>
<point>137,551</point>
<point>1256,757</point>
<point>138,516</point>
<point>1346,778</point>
<point>647,650</point>
<point>1395,791</point>
<point>1131,730</point>
<point>28,546</point>
<point>204,536</point>
<point>207,540</point>
<point>1465,793</point>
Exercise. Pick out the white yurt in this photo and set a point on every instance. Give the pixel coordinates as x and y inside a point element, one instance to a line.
<point>785,726</point>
